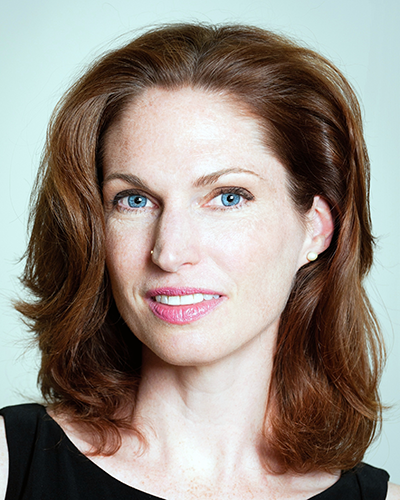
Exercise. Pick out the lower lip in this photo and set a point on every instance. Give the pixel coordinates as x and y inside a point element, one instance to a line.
<point>179,315</point>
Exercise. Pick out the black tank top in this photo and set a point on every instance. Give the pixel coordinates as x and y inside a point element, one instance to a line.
<point>45,465</point>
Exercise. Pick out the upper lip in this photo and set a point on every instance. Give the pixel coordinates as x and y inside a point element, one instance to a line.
<point>174,291</point>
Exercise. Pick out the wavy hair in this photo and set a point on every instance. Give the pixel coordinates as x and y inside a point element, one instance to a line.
<point>329,353</point>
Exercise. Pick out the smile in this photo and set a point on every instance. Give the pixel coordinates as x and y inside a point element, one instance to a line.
<point>184,300</point>
<point>182,306</point>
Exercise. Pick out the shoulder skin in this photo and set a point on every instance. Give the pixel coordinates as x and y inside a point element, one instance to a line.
<point>393,492</point>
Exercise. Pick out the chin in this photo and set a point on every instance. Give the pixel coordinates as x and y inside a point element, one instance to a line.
<point>185,352</point>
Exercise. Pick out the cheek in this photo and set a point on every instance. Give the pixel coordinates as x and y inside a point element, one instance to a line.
<point>125,252</point>
<point>261,258</point>
<point>232,242</point>
<point>263,243</point>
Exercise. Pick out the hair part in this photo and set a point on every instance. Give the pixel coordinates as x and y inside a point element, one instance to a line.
<point>324,399</point>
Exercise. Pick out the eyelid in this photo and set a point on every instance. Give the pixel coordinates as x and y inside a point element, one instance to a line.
<point>236,190</point>
<point>128,192</point>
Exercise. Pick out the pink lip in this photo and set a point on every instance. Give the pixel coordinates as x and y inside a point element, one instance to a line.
<point>179,315</point>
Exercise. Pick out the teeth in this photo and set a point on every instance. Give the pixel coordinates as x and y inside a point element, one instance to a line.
<point>209,297</point>
<point>174,300</point>
<point>184,300</point>
<point>197,297</point>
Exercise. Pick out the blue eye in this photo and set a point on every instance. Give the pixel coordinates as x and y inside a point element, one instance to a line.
<point>136,201</point>
<point>132,202</point>
<point>230,199</point>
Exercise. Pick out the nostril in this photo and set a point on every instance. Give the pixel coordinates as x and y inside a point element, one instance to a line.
<point>171,259</point>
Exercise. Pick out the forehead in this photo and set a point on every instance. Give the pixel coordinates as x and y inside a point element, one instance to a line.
<point>185,115</point>
<point>188,132</point>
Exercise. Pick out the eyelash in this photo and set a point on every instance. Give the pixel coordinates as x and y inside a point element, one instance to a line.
<point>243,193</point>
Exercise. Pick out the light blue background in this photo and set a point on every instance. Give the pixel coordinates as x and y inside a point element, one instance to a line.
<point>46,44</point>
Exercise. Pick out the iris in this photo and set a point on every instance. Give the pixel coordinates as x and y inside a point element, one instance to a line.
<point>137,201</point>
<point>230,199</point>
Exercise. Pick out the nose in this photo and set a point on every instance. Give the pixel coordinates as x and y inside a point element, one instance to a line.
<point>176,242</point>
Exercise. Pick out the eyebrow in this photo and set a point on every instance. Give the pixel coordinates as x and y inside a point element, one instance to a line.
<point>204,180</point>
<point>134,180</point>
<point>208,179</point>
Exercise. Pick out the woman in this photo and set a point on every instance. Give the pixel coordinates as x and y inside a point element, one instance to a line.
<point>199,240</point>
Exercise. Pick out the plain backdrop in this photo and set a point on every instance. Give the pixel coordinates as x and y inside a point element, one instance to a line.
<point>45,44</point>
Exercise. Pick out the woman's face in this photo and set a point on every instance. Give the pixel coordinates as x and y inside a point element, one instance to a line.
<point>186,174</point>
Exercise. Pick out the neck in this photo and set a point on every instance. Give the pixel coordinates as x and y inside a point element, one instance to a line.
<point>215,410</point>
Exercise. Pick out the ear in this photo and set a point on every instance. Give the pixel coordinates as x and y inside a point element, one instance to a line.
<point>320,229</point>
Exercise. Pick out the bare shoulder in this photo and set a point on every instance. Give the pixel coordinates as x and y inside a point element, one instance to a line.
<point>3,460</point>
<point>393,492</point>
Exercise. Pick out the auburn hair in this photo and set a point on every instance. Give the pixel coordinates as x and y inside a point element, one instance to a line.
<point>328,359</point>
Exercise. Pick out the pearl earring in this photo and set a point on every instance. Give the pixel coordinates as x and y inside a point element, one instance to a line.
<point>311,256</point>
<point>151,252</point>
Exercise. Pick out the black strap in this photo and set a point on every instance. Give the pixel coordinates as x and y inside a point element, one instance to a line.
<point>21,431</point>
<point>373,482</point>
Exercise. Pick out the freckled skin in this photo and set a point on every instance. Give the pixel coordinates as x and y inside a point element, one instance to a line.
<point>248,253</point>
